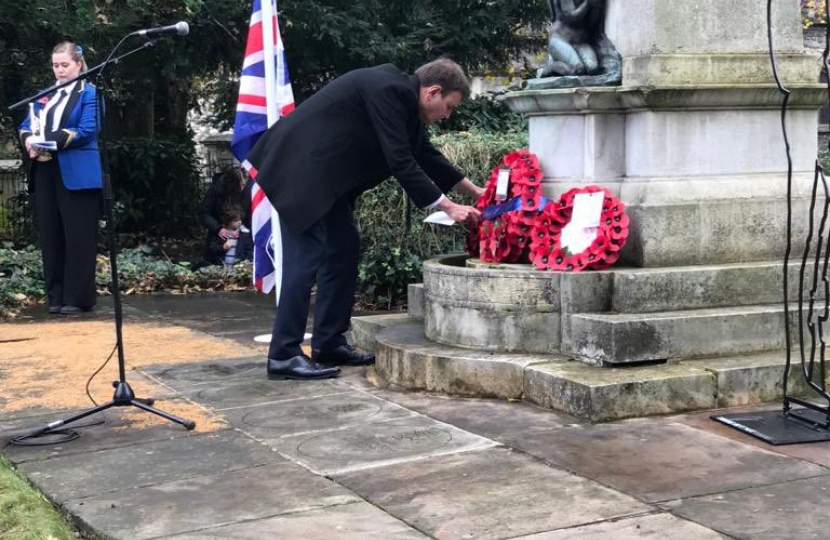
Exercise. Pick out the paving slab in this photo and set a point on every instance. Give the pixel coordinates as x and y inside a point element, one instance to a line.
<point>357,378</point>
<point>789,511</point>
<point>33,413</point>
<point>91,473</point>
<point>195,305</point>
<point>336,411</point>
<point>657,460</point>
<point>494,419</point>
<point>104,310</point>
<point>157,390</point>
<point>374,445</point>
<point>233,327</point>
<point>818,453</point>
<point>493,494</point>
<point>355,521</point>
<point>15,427</point>
<point>223,395</point>
<point>208,501</point>
<point>655,527</point>
<point>116,431</point>
<point>180,376</point>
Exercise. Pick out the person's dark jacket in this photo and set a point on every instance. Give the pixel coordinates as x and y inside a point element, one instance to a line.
<point>213,206</point>
<point>215,253</point>
<point>347,138</point>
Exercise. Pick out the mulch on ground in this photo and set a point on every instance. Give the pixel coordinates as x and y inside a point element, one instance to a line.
<point>46,365</point>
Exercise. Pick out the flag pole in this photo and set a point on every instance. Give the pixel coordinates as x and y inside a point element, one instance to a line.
<point>269,49</point>
<point>269,10</point>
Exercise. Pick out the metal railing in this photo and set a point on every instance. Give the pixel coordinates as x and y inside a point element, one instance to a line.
<point>16,214</point>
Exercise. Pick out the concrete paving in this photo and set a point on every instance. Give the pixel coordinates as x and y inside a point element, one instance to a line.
<point>344,460</point>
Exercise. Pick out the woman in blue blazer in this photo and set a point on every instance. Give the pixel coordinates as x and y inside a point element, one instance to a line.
<point>67,183</point>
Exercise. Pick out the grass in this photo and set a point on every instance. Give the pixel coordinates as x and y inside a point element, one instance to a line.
<point>25,514</point>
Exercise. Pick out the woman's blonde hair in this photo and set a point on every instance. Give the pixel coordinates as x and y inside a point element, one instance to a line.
<point>74,51</point>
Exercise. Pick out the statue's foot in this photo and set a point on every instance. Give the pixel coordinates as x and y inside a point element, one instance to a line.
<point>571,81</point>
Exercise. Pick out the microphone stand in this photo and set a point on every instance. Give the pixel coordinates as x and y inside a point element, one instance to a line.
<point>123,395</point>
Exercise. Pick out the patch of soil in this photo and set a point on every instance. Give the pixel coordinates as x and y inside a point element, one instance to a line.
<point>46,365</point>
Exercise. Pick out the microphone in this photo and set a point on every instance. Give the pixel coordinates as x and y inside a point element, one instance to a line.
<point>180,29</point>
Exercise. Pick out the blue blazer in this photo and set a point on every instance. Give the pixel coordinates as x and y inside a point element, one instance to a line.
<point>78,159</point>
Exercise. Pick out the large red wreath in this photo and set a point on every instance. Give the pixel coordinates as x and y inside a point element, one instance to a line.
<point>527,227</point>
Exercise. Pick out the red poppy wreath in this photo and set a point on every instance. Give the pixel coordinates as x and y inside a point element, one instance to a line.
<point>519,224</point>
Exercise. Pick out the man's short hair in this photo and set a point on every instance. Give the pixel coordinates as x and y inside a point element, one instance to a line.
<point>446,74</point>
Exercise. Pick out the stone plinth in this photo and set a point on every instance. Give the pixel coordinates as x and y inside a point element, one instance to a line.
<point>706,42</point>
<point>613,317</point>
<point>702,169</point>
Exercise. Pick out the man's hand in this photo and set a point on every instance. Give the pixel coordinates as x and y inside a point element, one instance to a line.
<point>466,186</point>
<point>460,213</point>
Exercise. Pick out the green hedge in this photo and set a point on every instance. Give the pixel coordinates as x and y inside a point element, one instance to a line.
<point>21,278</point>
<point>140,270</point>
<point>157,186</point>
<point>392,258</point>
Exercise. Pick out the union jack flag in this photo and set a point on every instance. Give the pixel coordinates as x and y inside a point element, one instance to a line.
<point>265,95</point>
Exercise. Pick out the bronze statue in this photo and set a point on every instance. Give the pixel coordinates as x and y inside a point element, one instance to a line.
<point>579,54</point>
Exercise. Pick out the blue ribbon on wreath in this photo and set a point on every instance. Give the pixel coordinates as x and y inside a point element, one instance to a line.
<point>494,211</point>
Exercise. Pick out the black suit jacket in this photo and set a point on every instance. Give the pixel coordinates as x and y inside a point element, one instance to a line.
<point>358,130</point>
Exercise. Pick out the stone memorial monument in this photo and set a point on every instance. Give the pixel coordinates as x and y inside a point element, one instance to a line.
<point>691,142</point>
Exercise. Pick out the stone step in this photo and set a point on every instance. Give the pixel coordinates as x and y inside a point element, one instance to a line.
<point>624,338</point>
<point>415,300</point>
<point>406,358</point>
<point>756,378</point>
<point>364,329</point>
<point>647,290</point>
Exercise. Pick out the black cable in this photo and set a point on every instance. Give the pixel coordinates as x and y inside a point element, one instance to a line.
<point>62,435</point>
<point>89,381</point>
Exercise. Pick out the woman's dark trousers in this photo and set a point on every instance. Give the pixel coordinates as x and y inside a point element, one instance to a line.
<point>68,227</point>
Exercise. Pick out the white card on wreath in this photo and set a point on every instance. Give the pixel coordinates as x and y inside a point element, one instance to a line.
<point>587,209</point>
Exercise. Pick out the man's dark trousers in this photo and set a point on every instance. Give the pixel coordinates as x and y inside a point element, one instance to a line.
<point>327,252</point>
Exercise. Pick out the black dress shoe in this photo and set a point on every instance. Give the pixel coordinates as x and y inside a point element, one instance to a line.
<point>74,310</point>
<point>300,367</point>
<point>344,355</point>
<point>54,310</point>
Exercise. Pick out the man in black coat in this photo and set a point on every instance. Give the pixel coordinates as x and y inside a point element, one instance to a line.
<point>361,128</point>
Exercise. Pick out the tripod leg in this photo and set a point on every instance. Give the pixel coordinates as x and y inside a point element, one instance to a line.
<point>52,426</point>
<point>188,424</point>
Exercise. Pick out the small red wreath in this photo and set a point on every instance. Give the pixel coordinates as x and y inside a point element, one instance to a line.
<point>506,238</point>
